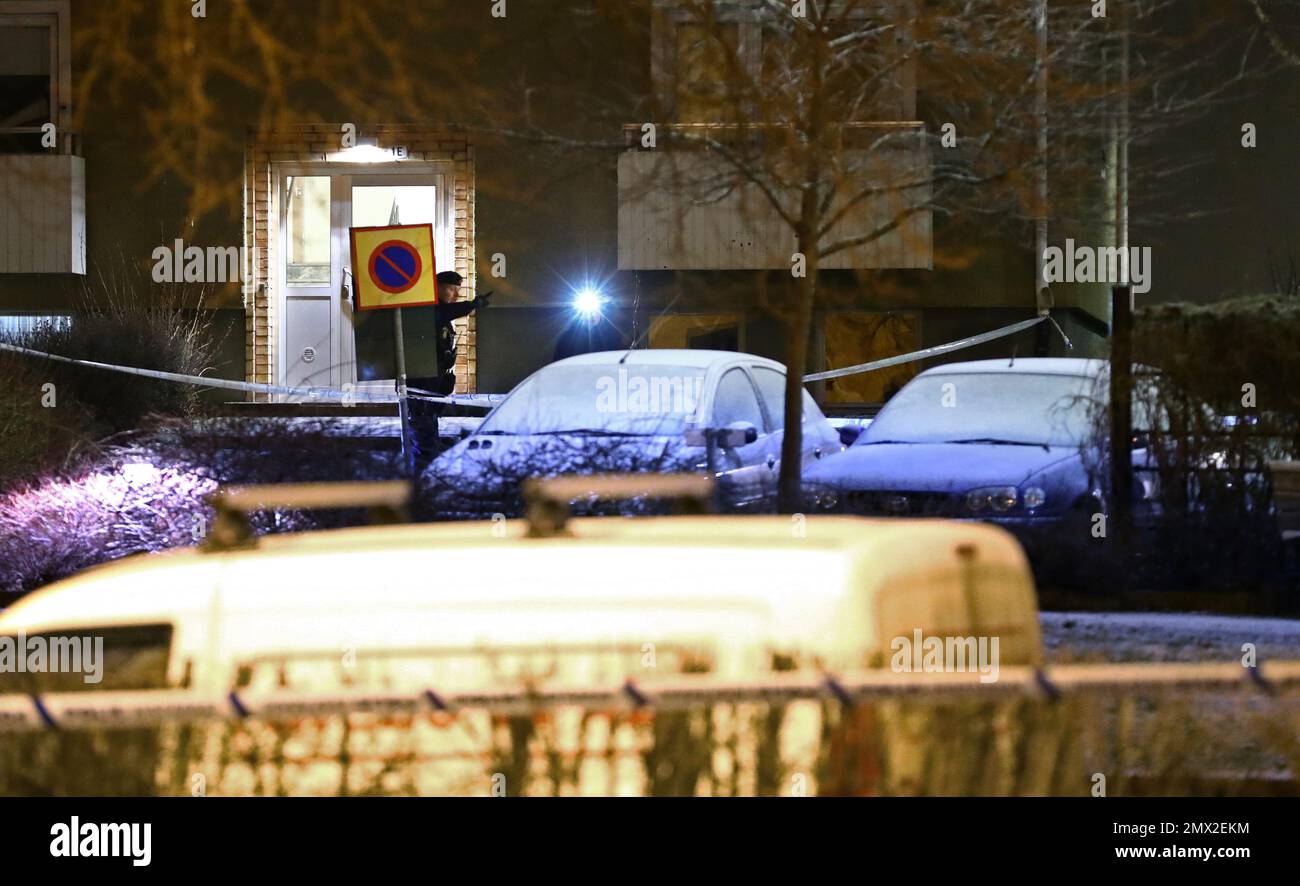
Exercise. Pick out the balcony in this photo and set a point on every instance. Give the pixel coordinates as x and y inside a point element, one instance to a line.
<point>682,207</point>
<point>43,212</point>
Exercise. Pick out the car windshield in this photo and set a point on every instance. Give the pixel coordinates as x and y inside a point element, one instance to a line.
<point>643,399</point>
<point>996,407</point>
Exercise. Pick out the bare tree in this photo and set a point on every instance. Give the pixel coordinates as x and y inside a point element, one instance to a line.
<point>821,127</point>
<point>196,84</point>
<point>1274,19</point>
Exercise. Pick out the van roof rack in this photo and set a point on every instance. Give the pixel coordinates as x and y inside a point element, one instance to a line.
<point>385,502</point>
<point>547,500</point>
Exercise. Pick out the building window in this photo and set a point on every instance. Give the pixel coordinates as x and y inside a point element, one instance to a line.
<point>307,219</point>
<point>709,72</point>
<point>723,69</point>
<point>854,337</point>
<point>710,332</point>
<point>853,90</point>
<point>35,72</point>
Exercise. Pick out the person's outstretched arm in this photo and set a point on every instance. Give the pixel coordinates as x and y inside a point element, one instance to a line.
<point>457,309</point>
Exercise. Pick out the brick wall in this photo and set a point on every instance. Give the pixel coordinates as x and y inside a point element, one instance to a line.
<point>305,144</point>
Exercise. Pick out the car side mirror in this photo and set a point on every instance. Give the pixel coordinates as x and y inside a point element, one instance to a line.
<point>740,433</point>
<point>848,434</point>
<point>736,434</point>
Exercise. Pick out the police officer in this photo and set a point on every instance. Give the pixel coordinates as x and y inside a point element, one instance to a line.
<point>424,414</point>
<point>450,308</point>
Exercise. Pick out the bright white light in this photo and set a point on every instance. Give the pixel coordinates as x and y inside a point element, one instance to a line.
<point>588,301</point>
<point>363,154</point>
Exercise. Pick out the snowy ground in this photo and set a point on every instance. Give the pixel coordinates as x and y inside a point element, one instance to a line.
<point>1129,636</point>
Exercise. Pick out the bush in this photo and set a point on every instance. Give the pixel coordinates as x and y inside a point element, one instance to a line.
<point>52,412</point>
<point>94,514</point>
<point>1212,413</point>
<point>34,438</point>
<point>126,319</point>
<point>149,493</point>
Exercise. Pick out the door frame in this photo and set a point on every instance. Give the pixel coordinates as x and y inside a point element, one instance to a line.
<point>437,173</point>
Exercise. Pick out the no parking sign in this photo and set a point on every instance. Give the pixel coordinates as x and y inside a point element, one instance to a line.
<point>392,267</point>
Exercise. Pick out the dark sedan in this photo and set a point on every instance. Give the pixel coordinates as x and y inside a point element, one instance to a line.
<point>999,440</point>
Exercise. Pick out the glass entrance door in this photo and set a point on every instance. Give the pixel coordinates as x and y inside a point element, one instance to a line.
<point>376,201</point>
<point>323,342</point>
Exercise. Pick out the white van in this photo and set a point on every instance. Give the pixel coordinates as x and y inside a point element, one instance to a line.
<point>464,606</point>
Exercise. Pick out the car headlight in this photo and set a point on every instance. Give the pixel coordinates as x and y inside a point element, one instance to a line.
<point>825,499</point>
<point>992,498</point>
<point>1033,497</point>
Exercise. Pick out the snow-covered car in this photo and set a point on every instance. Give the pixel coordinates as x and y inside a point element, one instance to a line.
<point>1019,443</point>
<point>996,440</point>
<point>629,412</point>
<point>849,429</point>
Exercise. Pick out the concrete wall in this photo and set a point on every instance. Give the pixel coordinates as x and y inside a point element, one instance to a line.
<point>514,341</point>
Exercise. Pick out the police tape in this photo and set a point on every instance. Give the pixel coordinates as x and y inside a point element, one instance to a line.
<point>135,709</point>
<point>307,392</point>
<point>934,351</point>
<point>490,401</point>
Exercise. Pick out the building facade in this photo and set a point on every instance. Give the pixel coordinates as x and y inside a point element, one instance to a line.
<point>676,271</point>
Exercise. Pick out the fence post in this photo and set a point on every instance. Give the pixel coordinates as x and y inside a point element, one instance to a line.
<point>403,401</point>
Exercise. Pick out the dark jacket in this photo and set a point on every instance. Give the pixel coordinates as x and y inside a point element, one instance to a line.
<point>446,338</point>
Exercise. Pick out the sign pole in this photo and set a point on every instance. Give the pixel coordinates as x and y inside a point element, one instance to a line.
<point>403,406</point>
<point>400,271</point>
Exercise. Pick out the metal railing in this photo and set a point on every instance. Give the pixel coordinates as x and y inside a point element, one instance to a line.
<point>145,708</point>
<point>69,141</point>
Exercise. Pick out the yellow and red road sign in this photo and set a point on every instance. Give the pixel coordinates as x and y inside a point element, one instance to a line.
<point>392,267</point>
